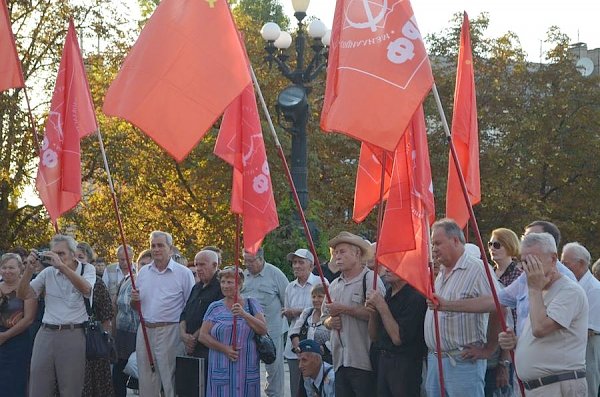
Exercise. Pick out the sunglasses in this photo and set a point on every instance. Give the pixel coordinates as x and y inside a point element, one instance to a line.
<point>495,244</point>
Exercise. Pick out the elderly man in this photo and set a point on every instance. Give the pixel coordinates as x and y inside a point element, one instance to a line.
<point>205,292</point>
<point>114,273</point>
<point>319,377</point>
<point>461,276</point>
<point>59,348</point>
<point>577,258</point>
<point>550,352</point>
<point>164,287</point>
<point>267,283</point>
<point>348,317</point>
<point>298,298</point>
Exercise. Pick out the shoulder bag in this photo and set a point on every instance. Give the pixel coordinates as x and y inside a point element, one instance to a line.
<point>264,344</point>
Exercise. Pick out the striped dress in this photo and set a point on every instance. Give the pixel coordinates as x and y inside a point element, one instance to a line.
<point>227,378</point>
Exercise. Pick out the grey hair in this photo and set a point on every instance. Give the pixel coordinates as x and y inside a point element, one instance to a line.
<point>71,242</point>
<point>580,252</point>
<point>260,253</point>
<point>10,255</point>
<point>129,250</point>
<point>213,256</point>
<point>451,229</point>
<point>158,233</point>
<point>544,240</point>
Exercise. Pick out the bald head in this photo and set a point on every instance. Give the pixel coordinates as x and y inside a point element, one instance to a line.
<point>206,263</point>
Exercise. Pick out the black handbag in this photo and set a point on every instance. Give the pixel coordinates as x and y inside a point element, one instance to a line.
<point>264,344</point>
<point>98,343</point>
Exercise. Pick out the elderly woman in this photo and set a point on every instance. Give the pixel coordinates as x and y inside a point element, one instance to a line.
<point>232,371</point>
<point>15,317</point>
<point>97,372</point>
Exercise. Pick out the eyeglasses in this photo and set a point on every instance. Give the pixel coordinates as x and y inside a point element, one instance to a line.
<point>495,244</point>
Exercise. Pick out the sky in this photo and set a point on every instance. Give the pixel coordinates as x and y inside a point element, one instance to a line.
<point>529,19</point>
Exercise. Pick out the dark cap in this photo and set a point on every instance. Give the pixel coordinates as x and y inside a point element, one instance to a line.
<point>309,346</point>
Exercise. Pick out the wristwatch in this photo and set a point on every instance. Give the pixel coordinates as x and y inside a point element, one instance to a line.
<point>504,363</point>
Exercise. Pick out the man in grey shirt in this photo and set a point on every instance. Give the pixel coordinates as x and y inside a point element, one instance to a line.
<point>267,283</point>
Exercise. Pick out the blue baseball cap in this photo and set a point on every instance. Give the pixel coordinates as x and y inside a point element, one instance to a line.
<point>309,346</point>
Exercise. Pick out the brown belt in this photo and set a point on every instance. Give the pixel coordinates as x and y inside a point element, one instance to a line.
<point>158,325</point>
<point>60,327</point>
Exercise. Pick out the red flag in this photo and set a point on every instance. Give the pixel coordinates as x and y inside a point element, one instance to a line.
<point>378,72</point>
<point>368,180</point>
<point>403,242</point>
<point>11,75</point>
<point>240,143</point>
<point>183,71</point>
<point>464,135</point>
<point>71,117</point>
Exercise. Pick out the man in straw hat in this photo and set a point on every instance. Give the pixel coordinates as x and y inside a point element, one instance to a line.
<point>348,317</point>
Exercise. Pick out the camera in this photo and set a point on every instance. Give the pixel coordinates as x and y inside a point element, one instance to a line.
<point>44,259</point>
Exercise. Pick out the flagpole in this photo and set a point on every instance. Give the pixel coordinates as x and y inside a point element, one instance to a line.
<point>379,215</point>
<point>236,279</point>
<point>473,220</point>
<point>125,250</point>
<point>436,320</point>
<point>291,183</point>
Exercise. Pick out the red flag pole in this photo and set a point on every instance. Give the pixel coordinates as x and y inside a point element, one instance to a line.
<point>380,215</point>
<point>124,243</point>
<point>473,220</point>
<point>292,186</point>
<point>237,267</point>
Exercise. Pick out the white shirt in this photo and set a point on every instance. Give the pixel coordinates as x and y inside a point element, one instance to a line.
<point>64,302</point>
<point>163,294</point>
<point>591,286</point>
<point>112,277</point>
<point>298,297</point>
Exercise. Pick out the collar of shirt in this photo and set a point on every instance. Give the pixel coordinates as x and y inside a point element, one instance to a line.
<point>319,379</point>
<point>213,282</point>
<point>261,273</point>
<point>170,266</point>
<point>310,281</point>
<point>461,263</point>
<point>355,278</point>
<point>77,269</point>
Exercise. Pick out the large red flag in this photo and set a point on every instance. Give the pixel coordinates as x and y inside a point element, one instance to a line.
<point>11,75</point>
<point>183,71</point>
<point>378,71</point>
<point>403,241</point>
<point>240,143</point>
<point>464,135</point>
<point>368,180</point>
<point>71,117</point>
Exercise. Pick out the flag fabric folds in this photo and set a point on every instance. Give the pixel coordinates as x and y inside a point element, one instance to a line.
<point>378,71</point>
<point>368,180</point>
<point>403,241</point>
<point>185,68</point>
<point>71,117</point>
<point>11,75</point>
<point>240,143</point>
<point>464,135</point>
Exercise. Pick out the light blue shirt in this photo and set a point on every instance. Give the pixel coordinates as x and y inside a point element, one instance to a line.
<point>516,295</point>
<point>328,384</point>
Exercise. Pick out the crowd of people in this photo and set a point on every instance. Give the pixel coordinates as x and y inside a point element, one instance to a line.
<point>354,332</point>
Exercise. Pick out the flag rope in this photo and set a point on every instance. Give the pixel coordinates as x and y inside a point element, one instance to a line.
<point>473,221</point>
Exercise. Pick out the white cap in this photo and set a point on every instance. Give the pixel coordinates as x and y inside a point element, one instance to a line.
<point>301,253</point>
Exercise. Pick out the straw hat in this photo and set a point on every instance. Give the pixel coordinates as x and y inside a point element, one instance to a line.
<point>346,237</point>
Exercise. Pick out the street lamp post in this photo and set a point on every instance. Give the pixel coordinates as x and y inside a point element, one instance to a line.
<point>292,102</point>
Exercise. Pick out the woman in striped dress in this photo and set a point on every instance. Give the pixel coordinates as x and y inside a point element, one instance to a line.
<point>232,372</point>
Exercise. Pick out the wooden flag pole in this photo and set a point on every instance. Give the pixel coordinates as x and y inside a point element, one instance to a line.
<point>379,216</point>
<point>125,251</point>
<point>473,220</point>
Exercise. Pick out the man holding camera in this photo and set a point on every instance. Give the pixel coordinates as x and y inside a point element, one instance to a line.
<point>59,348</point>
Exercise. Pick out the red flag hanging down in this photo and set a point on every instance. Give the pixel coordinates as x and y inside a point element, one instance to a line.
<point>464,135</point>
<point>71,118</point>
<point>378,71</point>
<point>403,242</point>
<point>368,180</point>
<point>183,71</point>
<point>11,75</point>
<point>240,143</point>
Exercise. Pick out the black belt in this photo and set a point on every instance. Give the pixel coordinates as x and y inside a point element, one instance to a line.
<point>60,327</point>
<point>548,380</point>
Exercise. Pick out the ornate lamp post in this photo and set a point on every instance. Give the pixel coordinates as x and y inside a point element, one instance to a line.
<point>292,102</point>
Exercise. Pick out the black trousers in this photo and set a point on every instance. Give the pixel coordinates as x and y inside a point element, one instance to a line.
<point>353,382</point>
<point>398,375</point>
<point>119,378</point>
